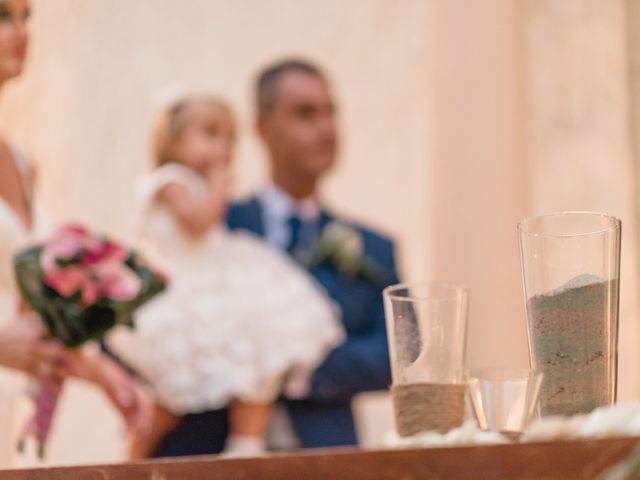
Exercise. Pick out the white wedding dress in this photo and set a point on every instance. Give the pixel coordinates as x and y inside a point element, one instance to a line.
<point>239,319</point>
<point>14,235</point>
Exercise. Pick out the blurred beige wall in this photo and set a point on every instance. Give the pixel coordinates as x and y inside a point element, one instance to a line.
<point>581,134</point>
<point>97,73</point>
<point>531,116</point>
<point>480,168</point>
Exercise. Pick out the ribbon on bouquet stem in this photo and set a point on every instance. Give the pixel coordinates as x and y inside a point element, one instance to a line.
<point>45,401</point>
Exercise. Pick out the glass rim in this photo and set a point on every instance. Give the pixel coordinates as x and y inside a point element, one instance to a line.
<point>456,291</point>
<point>501,374</point>
<point>614,224</point>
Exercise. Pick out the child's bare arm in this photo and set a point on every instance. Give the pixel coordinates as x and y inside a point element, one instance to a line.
<point>198,214</point>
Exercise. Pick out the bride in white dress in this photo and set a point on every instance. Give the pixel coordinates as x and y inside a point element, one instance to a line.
<point>21,345</point>
<point>23,348</point>
<point>240,322</point>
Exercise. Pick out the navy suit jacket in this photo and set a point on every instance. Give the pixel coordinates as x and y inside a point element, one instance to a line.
<point>361,363</point>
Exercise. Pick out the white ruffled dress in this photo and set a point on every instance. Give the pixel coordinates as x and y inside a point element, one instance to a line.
<point>240,320</point>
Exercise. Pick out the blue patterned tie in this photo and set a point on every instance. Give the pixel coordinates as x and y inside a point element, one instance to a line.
<point>294,223</point>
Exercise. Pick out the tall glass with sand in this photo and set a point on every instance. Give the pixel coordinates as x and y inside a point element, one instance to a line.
<point>570,270</point>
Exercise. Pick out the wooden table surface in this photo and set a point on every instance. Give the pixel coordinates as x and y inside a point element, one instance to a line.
<point>549,460</point>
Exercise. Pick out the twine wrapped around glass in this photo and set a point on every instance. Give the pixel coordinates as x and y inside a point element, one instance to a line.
<point>426,330</point>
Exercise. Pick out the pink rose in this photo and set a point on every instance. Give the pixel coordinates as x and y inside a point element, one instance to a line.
<point>106,250</point>
<point>115,280</point>
<point>99,272</point>
<point>66,243</point>
<point>72,279</point>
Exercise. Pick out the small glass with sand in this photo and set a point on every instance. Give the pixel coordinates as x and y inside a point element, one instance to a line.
<point>426,329</point>
<point>570,270</point>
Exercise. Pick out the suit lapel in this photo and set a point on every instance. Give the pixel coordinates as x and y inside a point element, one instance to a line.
<point>325,219</point>
<point>326,273</point>
<point>249,217</point>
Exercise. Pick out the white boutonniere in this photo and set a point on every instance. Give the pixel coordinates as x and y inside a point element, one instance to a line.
<point>343,247</point>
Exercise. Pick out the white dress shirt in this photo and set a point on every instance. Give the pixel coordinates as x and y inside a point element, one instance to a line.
<point>278,207</point>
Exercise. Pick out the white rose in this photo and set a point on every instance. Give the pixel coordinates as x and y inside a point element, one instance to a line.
<point>347,240</point>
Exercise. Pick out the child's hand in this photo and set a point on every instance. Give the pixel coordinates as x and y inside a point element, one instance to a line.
<point>219,177</point>
<point>197,214</point>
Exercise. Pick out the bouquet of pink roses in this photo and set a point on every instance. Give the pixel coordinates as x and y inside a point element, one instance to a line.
<point>81,285</point>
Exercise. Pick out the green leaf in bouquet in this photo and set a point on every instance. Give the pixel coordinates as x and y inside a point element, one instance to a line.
<point>29,278</point>
<point>63,262</point>
<point>74,325</point>
<point>58,320</point>
<point>97,321</point>
<point>127,321</point>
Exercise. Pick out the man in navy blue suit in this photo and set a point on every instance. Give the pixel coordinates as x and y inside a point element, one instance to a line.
<point>296,121</point>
